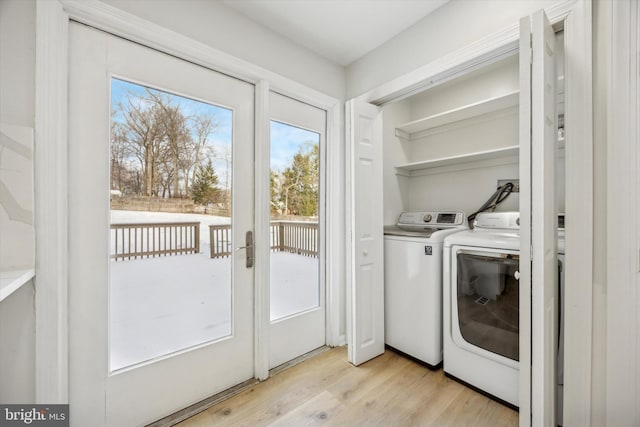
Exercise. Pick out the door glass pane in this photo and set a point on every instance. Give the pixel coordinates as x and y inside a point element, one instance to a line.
<point>170,231</point>
<point>488,302</point>
<point>295,169</point>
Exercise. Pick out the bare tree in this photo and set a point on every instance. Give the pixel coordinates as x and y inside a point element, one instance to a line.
<point>119,155</point>
<point>203,127</point>
<point>142,134</point>
<point>176,133</point>
<point>156,148</point>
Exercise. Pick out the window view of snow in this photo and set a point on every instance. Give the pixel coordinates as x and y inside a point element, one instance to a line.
<point>171,217</point>
<point>295,180</point>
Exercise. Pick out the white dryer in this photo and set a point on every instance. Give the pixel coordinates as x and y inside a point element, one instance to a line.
<point>413,282</point>
<point>481,305</point>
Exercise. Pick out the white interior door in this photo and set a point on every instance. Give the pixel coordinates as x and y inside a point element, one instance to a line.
<point>161,316</point>
<point>297,274</point>
<point>365,250</point>
<point>538,308</point>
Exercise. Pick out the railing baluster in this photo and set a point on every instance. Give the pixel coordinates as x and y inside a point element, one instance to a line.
<point>168,239</point>
<point>155,239</point>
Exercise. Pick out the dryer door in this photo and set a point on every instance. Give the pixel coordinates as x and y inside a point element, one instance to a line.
<point>485,300</point>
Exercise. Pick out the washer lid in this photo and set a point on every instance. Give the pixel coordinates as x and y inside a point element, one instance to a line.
<point>425,232</point>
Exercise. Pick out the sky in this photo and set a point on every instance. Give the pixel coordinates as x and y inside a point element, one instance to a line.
<point>286,140</point>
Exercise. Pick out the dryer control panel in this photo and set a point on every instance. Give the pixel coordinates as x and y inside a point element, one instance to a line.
<point>448,219</point>
<point>498,220</point>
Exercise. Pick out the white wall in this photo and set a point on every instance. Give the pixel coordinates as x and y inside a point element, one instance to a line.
<point>466,189</point>
<point>450,27</point>
<point>17,117</point>
<point>214,24</point>
<point>463,188</point>
<point>17,62</point>
<point>17,109</point>
<point>395,152</point>
<point>17,352</point>
<point>494,80</point>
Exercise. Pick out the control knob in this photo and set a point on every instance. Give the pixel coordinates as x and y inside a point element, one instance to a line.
<point>427,218</point>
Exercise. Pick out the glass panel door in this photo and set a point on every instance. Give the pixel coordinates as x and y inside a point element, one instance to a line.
<point>170,277</point>
<point>161,193</point>
<point>297,291</point>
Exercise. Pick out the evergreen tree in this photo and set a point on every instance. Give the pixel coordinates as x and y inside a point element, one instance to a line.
<point>299,184</point>
<point>205,188</point>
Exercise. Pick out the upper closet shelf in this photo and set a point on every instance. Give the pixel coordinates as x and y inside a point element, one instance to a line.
<point>12,280</point>
<point>456,160</point>
<point>476,109</point>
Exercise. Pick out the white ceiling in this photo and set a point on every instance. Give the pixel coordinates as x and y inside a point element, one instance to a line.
<point>340,30</point>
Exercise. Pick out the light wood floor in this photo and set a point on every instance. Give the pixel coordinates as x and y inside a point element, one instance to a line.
<point>387,391</point>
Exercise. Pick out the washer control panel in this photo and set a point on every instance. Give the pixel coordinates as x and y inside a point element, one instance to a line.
<point>446,219</point>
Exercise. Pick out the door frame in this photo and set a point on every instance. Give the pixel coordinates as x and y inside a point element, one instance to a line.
<point>574,16</point>
<point>51,176</point>
<point>620,369</point>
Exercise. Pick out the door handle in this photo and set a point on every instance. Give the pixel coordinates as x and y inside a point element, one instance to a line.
<point>248,247</point>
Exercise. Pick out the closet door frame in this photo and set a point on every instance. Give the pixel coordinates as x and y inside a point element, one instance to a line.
<point>52,24</point>
<point>574,17</point>
<point>622,322</point>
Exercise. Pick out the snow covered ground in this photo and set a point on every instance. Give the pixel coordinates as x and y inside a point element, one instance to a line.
<point>162,305</point>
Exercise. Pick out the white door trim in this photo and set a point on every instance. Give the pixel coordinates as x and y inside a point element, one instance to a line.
<point>579,214</point>
<point>525,69</point>
<point>52,333</point>
<point>52,22</point>
<point>622,369</point>
<point>575,17</point>
<point>262,203</point>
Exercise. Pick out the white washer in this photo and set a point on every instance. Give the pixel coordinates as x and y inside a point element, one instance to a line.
<point>481,305</point>
<point>413,282</point>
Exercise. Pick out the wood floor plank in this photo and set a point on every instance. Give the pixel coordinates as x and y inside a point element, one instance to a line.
<point>315,411</point>
<point>389,390</point>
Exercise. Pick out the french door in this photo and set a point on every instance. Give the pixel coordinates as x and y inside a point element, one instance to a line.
<point>161,190</point>
<point>297,279</point>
